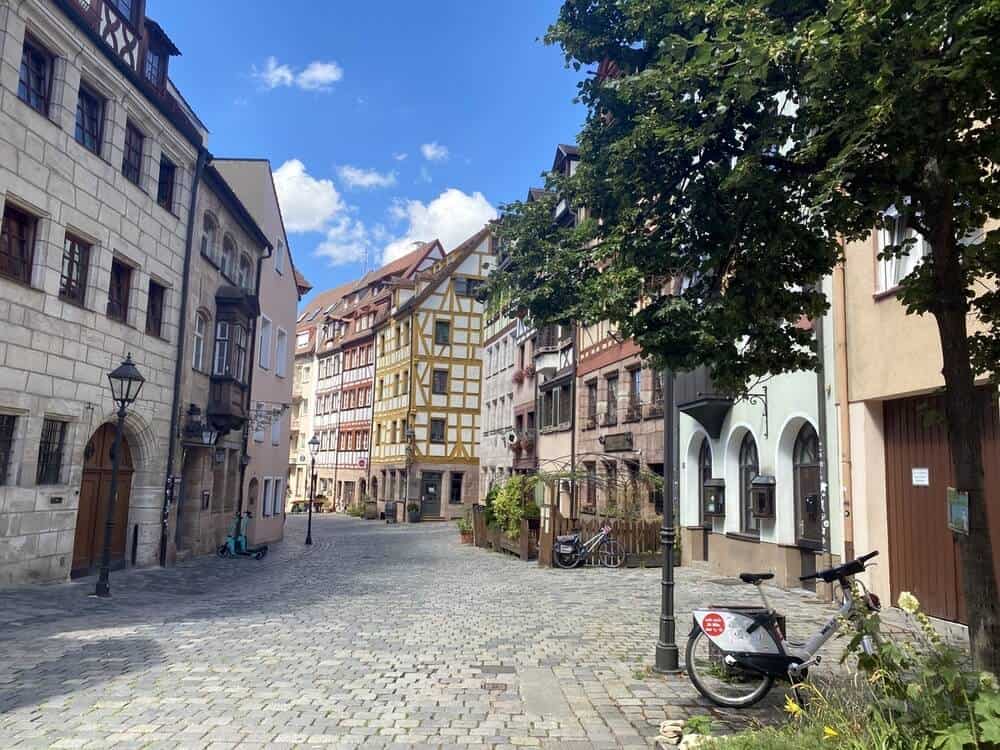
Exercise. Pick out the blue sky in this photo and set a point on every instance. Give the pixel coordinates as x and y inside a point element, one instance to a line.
<point>388,121</point>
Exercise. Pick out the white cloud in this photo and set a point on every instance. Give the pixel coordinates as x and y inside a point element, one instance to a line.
<point>307,204</point>
<point>316,76</point>
<point>356,177</point>
<point>400,156</point>
<point>346,241</point>
<point>452,217</point>
<point>434,151</point>
<point>274,75</point>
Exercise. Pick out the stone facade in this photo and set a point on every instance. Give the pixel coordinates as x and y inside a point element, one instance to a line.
<point>496,457</point>
<point>55,353</point>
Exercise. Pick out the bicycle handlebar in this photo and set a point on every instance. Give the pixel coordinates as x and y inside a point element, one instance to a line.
<point>841,571</point>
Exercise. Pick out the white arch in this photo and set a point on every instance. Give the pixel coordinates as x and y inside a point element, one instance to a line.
<point>734,510</point>
<point>691,476</point>
<point>784,498</point>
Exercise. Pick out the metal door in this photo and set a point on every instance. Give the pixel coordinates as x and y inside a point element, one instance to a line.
<point>430,494</point>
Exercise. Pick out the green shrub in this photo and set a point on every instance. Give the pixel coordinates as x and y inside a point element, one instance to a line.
<point>464,524</point>
<point>511,503</point>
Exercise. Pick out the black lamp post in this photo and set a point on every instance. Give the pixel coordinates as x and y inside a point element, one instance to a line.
<point>667,657</point>
<point>313,448</point>
<point>126,382</point>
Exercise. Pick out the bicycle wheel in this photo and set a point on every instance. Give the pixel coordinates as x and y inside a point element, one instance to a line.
<point>724,685</point>
<point>612,555</point>
<point>565,560</point>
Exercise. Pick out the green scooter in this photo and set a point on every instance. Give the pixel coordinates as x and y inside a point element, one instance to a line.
<point>236,543</point>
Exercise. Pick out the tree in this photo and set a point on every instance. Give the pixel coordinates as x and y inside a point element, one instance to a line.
<point>733,144</point>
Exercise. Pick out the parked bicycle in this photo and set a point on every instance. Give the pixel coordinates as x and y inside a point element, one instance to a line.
<point>734,654</point>
<point>570,551</point>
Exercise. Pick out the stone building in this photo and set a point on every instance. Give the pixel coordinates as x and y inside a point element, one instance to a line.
<point>302,415</point>
<point>429,376</point>
<point>216,365</point>
<point>279,289</point>
<point>97,159</point>
<point>496,422</point>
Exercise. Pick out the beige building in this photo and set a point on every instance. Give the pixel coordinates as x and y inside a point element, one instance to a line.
<point>279,289</point>
<point>97,160</point>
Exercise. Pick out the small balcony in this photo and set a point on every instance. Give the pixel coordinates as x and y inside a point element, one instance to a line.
<point>227,403</point>
<point>609,419</point>
<point>633,411</point>
<point>697,396</point>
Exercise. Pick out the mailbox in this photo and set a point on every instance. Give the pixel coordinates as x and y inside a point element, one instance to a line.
<point>715,498</point>
<point>762,496</point>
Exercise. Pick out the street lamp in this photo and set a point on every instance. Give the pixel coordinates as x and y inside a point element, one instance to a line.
<point>313,449</point>
<point>667,661</point>
<point>126,382</point>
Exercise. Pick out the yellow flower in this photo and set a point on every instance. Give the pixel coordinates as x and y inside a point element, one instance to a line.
<point>829,733</point>
<point>792,707</point>
<point>909,603</point>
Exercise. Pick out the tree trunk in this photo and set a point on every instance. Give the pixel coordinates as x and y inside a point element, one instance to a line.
<point>965,438</point>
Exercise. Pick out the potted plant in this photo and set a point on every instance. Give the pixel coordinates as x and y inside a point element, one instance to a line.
<point>517,377</point>
<point>465,530</point>
<point>530,371</point>
<point>413,511</point>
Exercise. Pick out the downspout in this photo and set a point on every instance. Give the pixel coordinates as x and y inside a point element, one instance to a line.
<point>572,426</point>
<point>843,402</point>
<point>371,420</point>
<point>824,472</point>
<point>245,457</point>
<point>203,156</point>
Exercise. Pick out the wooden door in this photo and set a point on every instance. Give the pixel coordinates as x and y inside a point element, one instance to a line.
<point>924,556</point>
<point>430,494</point>
<point>93,505</point>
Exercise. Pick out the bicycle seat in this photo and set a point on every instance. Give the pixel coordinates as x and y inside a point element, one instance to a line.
<point>567,538</point>
<point>755,578</point>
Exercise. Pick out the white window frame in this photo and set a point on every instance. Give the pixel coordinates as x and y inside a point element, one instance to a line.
<point>279,258</point>
<point>264,360</point>
<point>279,498</point>
<point>267,486</point>
<point>890,272</point>
<point>281,353</point>
<point>198,343</point>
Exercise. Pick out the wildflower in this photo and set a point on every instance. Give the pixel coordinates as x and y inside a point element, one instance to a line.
<point>909,603</point>
<point>829,733</point>
<point>792,707</point>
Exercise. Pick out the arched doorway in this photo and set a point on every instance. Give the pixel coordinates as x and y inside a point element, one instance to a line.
<point>805,468</point>
<point>704,474</point>
<point>749,468</point>
<point>93,505</point>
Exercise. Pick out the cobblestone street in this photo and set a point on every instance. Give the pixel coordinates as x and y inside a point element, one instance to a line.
<point>377,636</point>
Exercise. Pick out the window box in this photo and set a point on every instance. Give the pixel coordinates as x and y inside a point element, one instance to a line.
<point>762,496</point>
<point>715,498</point>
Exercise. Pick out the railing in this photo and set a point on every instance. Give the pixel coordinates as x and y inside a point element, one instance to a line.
<point>633,411</point>
<point>610,419</point>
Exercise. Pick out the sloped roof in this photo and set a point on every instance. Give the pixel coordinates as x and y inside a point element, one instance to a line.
<point>322,301</point>
<point>451,262</point>
<point>301,282</point>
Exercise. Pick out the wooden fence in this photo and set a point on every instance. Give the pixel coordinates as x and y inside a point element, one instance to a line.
<point>640,539</point>
<point>525,546</point>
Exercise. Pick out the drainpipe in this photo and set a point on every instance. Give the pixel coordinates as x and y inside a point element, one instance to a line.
<point>843,402</point>
<point>824,472</point>
<point>245,457</point>
<point>572,427</point>
<point>203,157</point>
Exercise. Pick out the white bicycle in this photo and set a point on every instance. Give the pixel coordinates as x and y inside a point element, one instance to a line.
<point>734,654</point>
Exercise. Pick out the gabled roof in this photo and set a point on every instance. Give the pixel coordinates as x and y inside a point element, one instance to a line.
<point>535,194</point>
<point>322,301</point>
<point>301,282</point>
<point>564,153</point>
<point>451,262</point>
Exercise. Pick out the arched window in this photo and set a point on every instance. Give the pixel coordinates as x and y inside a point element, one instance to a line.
<point>808,504</point>
<point>749,468</point>
<point>704,474</point>
<point>227,263</point>
<point>209,236</point>
<point>198,349</point>
<point>245,276</point>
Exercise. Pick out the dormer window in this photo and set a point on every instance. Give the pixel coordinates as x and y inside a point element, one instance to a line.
<point>154,67</point>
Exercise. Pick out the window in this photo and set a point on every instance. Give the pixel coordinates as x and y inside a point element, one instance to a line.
<point>198,350</point>
<point>165,184</point>
<point>749,468</point>
<point>154,309</point>
<point>393,432</point>
<point>221,348</point>
<point>275,430</point>
<point>267,497</point>
<point>635,386</point>
<point>239,366</point>
<point>892,271</point>
<point>118,291</point>
<point>592,404</point>
<point>7,424</point>
<point>590,498</point>
<point>124,7</point>
<point>75,261</point>
<point>132,157</point>
<point>209,236</point>
<point>34,86</point>
<point>455,490</point>
<point>50,451</point>
<point>244,276</point>
<point>611,484</point>
<point>657,396</point>
<point>439,385</point>
<point>154,67</point>
<point>227,264</point>
<point>704,474</point>
<point>808,500</point>
<point>281,353</point>
<point>17,244</point>
<point>279,257</point>
<point>89,119</point>
<point>611,408</point>
<point>442,332</point>
<point>395,385</point>
<point>265,344</point>
<point>378,434</point>
<point>467,287</point>
<point>437,430</point>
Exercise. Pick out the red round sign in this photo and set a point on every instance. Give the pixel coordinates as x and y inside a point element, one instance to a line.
<point>362,462</point>
<point>713,624</point>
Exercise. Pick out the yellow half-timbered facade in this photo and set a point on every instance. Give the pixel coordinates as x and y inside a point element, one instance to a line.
<point>428,386</point>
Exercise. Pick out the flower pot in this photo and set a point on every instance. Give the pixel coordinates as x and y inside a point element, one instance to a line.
<point>466,537</point>
<point>412,516</point>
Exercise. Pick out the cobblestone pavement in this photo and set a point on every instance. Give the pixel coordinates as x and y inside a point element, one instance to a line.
<point>376,636</point>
